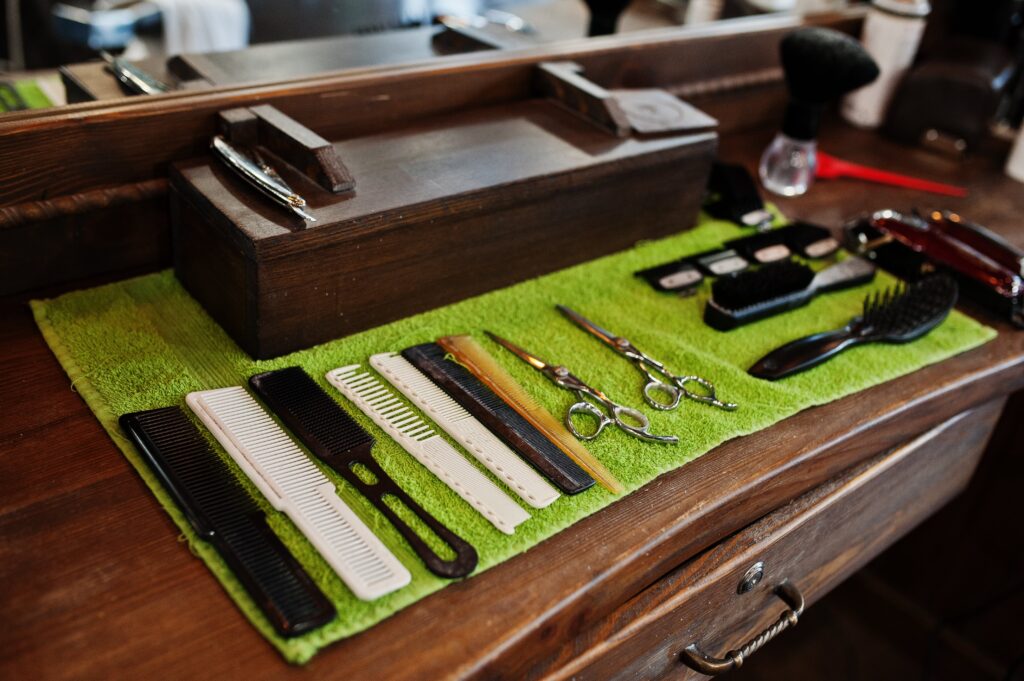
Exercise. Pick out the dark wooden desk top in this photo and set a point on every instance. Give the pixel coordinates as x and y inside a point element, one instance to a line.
<point>94,583</point>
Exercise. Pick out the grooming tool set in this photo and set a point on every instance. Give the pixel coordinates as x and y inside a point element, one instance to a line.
<point>341,443</point>
<point>421,441</point>
<point>478,404</point>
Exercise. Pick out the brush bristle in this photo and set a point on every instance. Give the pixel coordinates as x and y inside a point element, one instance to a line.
<point>768,282</point>
<point>906,311</point>
<point>821,64</point>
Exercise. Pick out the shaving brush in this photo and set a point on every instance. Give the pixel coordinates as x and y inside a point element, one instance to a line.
<point>820,65</point>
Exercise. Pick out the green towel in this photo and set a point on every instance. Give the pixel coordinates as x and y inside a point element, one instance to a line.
<point>144,343</point>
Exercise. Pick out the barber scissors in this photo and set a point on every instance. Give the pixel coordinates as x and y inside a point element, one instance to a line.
<point>663,390</point>
<point>592,404</point>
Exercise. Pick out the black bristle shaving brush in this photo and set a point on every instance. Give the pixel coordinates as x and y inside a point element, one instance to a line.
<point>821,65</point>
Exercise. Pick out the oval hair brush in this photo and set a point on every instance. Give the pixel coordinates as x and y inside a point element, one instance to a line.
<point>755,294</point>
<point>898,315</point>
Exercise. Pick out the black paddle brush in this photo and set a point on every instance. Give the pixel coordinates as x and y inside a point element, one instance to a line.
<point>776,287</point>
<point>897,315</point>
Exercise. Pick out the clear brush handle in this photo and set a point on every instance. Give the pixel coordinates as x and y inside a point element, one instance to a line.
<point>788,165</point>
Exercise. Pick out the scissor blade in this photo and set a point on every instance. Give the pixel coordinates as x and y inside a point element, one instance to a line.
<point>522,354</point>
<point>579,320</point>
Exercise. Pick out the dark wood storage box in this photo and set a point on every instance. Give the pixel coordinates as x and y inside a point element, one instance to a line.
<point>443,209</point>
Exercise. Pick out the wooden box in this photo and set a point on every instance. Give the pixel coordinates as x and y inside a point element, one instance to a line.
<point>443,208</point>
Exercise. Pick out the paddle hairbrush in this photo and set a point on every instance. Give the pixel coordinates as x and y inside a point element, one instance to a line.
<point>897,315</point>
<point>755,294</point>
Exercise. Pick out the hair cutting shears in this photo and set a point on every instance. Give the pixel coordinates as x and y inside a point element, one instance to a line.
<point>660,381</point>
<point>592,403</point>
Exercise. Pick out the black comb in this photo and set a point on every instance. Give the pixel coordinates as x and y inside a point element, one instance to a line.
<point>897,315</point>
<point>501,419</point>
<point>222,513</point>
<point>341,443</point>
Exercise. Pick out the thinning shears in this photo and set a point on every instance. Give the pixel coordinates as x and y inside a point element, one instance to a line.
<point>592,404</point>
<point>663,390</point>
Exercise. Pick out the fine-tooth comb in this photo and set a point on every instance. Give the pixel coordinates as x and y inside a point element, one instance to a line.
<point>419,439</point>
<point>341,443</point>
<point>493,412</point>
<point>223,514</point>
<point>471,355</point>
<point>897,315</point>
<point>294,485</point>
<point>466,430</point>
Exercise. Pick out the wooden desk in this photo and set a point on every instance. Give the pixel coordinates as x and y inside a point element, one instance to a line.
<point>96,585</point>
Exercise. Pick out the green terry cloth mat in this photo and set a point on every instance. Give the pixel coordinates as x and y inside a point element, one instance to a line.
<point>144,343</point>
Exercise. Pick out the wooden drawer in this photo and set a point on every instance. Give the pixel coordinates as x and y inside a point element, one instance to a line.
<point>813,543</point>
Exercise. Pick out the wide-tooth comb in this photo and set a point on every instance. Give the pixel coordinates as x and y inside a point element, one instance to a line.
<point>471,355</point>
<point>223,514</point>
<point>464,429</point>
<point>506,422</point>
<point>294,485</point>
<point>426,446</point>
<point>341,443</point>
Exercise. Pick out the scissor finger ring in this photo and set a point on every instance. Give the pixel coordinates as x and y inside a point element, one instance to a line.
<point>655,387</point>
<point>587,409</point>
<point>708,397</point>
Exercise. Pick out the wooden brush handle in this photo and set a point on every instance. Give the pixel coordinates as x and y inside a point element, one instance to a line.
<point>803,353</point>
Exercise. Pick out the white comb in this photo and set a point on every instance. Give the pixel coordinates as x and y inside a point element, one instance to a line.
<point>426,446</point>
<point>296,486</point>
<point>465,429</point>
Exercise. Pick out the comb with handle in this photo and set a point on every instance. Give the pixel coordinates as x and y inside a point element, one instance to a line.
<point>223,514</point>
<point>472,355</point>
<point>341,443</point>
<point>464,429</point>
<point>426,446</point>
<point>494,413</point>
<point>294,485</point>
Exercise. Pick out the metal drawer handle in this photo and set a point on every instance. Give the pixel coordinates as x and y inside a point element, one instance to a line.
<point>697,660</point>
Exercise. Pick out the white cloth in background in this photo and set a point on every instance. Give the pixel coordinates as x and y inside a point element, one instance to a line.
<point>204,25</point>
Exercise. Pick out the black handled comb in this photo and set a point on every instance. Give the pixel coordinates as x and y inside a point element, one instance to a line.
<point>341,443</point>
<point>223,514</point>
<point>898,315</point>
<point>501,419</point>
